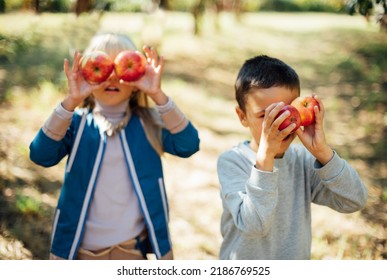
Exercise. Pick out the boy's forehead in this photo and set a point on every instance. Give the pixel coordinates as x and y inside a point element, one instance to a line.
<point>261,98</point>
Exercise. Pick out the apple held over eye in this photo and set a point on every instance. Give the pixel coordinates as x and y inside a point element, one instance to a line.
<point>130,65</point>
<point>96,67</point>
<point>305,106</point>
<point>294,117</point>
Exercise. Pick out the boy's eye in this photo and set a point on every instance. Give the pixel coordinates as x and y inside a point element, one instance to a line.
<point>259,115</point>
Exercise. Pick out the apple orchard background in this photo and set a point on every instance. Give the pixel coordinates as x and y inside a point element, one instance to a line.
<point>342,58</point>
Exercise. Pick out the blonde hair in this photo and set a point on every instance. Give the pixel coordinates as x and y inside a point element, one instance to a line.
<point>112,44</point>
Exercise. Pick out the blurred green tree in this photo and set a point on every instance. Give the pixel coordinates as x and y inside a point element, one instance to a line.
<point>369,7</point>
<point>2,6</point>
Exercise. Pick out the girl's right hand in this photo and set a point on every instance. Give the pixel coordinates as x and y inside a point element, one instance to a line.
<point>79,89</point>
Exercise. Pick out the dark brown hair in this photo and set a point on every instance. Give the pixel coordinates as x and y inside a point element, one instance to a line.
<point>264,72</point>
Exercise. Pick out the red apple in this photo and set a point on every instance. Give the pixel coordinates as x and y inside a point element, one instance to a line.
<point>294,117</point>
<point>96,67</point>
<point>130,65</point>
<point>305,106</point>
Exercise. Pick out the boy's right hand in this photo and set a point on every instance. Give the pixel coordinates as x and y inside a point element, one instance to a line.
<point>271,137</point>
<point>79,89</point>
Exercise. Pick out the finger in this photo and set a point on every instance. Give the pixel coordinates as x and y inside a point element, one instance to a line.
<point>152,57</point>
<point>320,103</point>
<point>155,57</point>
<point>272,106</point>
<point>277,122</point>
<point>319,110</point>
<point>146,49</point>
<point>299,132</point>
<point>148,53</point>
<point>287,131</point>
<point>161,65</point>
<point>301,135</point>
<point>272,111</point>
<point>267,112</point>
<point>318,115</point>
<point>66,67</point>
<point>77,58</point>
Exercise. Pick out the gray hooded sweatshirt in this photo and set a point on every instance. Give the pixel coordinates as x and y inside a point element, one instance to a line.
<point>267,215</point>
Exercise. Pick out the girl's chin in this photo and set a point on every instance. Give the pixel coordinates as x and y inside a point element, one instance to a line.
<point>110,92</point>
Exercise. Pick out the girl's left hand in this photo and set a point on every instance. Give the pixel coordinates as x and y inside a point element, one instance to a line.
<point>150,83</point>
<point>313,136</point>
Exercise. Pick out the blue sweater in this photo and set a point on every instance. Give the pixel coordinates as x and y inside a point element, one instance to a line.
<point>85,146</point>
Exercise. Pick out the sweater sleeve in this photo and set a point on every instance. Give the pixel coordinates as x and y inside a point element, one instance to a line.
<point>250,195</point>
<point>54,140</point>
<point>179,136</point>
<point>56,125</point>
<point>338,186</point>
<point>174,119</point>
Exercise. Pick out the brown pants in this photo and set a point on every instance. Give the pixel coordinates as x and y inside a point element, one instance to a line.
<point>123,251</point>
<point>118,252</point>
<point>167,256</point>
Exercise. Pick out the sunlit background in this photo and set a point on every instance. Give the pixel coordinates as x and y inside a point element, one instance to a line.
<point>338,49</point>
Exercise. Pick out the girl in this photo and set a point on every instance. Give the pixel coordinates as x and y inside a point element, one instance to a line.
<point>113,203</point>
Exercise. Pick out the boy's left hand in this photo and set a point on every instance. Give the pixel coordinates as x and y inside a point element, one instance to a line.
<point>313,136</point>
<point>150,83</point>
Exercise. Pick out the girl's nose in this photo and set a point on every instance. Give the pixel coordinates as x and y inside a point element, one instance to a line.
<point>113,77</point>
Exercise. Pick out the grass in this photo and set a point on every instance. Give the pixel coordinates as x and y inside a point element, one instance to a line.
<point>342,58</point>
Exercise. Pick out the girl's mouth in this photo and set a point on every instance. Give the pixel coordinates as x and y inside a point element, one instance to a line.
<point>112,89</point>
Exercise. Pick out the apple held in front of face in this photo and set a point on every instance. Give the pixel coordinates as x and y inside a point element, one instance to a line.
<point>294,117</point>
<point>130,65</point>
<point>305,106</point>
<point>96,67</point>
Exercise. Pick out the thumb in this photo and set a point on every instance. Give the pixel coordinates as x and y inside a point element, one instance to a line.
<point>301,134</point>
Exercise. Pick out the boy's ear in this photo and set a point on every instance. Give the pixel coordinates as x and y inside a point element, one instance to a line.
<point>242,116</point>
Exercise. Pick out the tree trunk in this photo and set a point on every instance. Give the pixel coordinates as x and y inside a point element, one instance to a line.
<point>83,6</point>
<point>198,13</point>
<point>238,9</point>
<point>37,6</point>
<point>163,4</point>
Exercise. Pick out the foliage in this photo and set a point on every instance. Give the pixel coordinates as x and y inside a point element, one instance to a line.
<point>10,46</point>
<point>269,5</point>
<point>303,5</point>
<point>26,205</point>
<point>44,5</point>
<point>366,7</point>
<point>23,54</point>
<point>2,6</point>
<point>57,5</point>
<point>130,5</point>
<point>11,5</point>
<point>186,5</point>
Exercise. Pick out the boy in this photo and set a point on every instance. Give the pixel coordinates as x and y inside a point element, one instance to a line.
<point>267,184</point>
